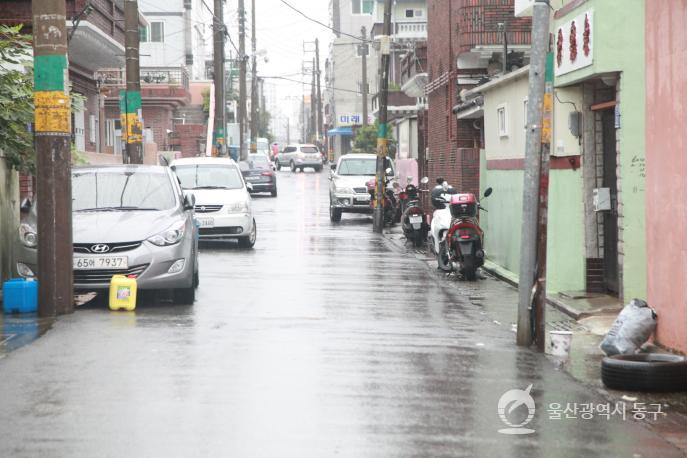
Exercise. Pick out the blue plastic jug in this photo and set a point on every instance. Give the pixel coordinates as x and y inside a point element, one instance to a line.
<point>20,295</point>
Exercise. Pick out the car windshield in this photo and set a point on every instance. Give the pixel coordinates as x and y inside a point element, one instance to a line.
<point>121,191</point>
<point>256,161</point>
<point>358,166</point>
<point>209,176</point>
<point>308,149</point>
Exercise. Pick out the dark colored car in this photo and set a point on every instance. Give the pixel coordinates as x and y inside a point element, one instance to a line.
<point>257,170</point>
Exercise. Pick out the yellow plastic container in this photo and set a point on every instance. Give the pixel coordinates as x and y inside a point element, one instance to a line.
<point>123,293</point>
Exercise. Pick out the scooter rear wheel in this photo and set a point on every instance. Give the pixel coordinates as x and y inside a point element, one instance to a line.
<point>443,260</point>
<point>417,239</point>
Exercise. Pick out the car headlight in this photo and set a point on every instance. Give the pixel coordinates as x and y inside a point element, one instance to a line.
<point>345,191</point>
<point>173,234</point>
<point>238,207</point>
<point>28,235</point>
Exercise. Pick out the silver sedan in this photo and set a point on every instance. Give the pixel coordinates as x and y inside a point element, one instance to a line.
<point>127,220</point>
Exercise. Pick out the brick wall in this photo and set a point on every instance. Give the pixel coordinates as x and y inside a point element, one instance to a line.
<point>159,119</point>
<point>187,139</point>
<point>448,140</point>
<point>453,27</point>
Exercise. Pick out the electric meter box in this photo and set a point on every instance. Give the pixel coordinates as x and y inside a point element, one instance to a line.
<point>601,199</point>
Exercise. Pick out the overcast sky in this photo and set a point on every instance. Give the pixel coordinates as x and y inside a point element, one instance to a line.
<point>281,32</point>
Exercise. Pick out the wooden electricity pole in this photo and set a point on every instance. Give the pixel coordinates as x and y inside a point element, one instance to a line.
<point>253,86</point>
<point>382,144</point>
<point>313,103</point>
<point>130,100</point>
<point>319,129</point>
<point>53,156</point>
<point>242,81</point>
<point>364,49</point>
<point>218,148</point>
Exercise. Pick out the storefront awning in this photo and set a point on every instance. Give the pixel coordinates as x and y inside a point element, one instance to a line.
<point>343,131</point>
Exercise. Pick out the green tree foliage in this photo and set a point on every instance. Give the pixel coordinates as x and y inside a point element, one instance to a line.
<point>365,140</point>
<point>16,99</point>
<point>264,126</point>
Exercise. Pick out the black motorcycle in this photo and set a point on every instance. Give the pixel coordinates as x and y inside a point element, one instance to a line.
<point>389,202</point>
<point>414,219</point>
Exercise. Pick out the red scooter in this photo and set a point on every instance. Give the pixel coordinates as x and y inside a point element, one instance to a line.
<point>464,240</point>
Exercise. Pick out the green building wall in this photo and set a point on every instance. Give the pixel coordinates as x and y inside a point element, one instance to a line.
<point>503,225</point>
<point>619,27</point>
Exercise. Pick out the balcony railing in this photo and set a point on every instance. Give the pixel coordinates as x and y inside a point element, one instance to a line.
<point>411,29</point>
<point>162,76</point>
<point>478,26</point>
<point>404,30</point>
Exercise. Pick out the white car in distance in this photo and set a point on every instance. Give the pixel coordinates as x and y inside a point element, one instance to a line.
<point>223,207</point>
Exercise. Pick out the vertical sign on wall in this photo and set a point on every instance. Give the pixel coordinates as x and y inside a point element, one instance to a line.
<point>574,42</point>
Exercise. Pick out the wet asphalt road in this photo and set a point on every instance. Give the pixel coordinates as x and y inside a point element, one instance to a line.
<point>325,340</point>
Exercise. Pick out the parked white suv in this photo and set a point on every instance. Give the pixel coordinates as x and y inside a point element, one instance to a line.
<point>298,157</point>
<point>348,188</point>
<point>223,206</point>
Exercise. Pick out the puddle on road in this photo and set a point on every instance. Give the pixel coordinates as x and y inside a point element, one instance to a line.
<point>19,330</point>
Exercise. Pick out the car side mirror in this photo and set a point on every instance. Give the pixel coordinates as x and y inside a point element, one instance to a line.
<point>249,186</point>
<point>389,171</point>
<point>25,206</point>
<point>189,201</point>
<point>333,166</point>
<point>487,192</point>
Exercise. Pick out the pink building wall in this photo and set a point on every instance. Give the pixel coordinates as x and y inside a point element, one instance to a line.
<point>196,89</point>
<point>666,168</point>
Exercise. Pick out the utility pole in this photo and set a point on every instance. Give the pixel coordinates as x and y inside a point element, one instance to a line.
<point>382,146</point>
<point>313,103</point>
<point>364,48</point>
<point>319,129</point>
<point>130,100</point>
<point>503,29</point>
<point>288,131</point>
<point>53,156</point>
<point>218,62</point>
<point>540,275</point>
<point>254,87</point>
<point>532,175</point>
<point>242,81</point>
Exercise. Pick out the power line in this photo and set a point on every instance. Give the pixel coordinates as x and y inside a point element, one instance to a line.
<point>309,84</point>
<point>319,22</point>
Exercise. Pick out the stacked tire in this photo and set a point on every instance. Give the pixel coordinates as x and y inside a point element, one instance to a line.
<point>648,372</point>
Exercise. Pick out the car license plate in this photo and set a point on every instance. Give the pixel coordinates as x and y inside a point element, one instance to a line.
<point>102,262</point>
<point>206,222</point>
<point>415,219</point>
<point>362,198</point>
<point>252,178</point>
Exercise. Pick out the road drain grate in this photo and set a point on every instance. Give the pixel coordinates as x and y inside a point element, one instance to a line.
<point>565,325</point>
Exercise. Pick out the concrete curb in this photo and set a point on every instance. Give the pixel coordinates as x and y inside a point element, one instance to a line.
<point>512,279</point>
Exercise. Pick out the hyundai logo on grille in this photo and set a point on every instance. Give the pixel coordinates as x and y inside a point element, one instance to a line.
<point>100,248</point>
<point>202,209</point>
